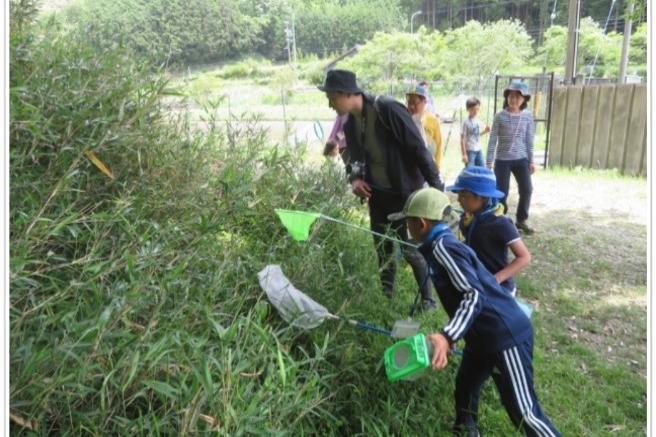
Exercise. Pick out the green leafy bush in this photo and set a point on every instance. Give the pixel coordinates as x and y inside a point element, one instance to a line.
<point>167,31</point>
<point>248,68</point>
<point>638,50</point>
<point>135,307</point>
<point>476,51</point>
<point>324,27</point>
<point>595,48</point>
<point>460,58</point>
<point>311,69</point>
<point>553,51</point>
<point>392,58</point>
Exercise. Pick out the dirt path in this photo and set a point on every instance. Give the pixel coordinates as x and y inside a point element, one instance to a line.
<point>589,265</point>
<point>615,197</point>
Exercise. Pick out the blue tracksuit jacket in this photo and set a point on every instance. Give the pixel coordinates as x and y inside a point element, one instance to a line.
<point>479,309</point>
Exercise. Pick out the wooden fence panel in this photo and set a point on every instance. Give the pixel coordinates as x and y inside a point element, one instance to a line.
<point>572,124</point>
<point>600,126</point>
<point>603,122</point>
<point>587,127</point>
<point>559,106</point>
<point>635,138</point>
<point>643,165</point>
<point>621,114</point>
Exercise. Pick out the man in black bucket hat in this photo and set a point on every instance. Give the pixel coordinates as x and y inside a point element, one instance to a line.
<point>387,162</point>
<point>340,81</point>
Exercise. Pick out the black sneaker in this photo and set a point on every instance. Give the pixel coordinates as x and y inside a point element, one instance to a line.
<point>525,228</point>
<point>428,306</point>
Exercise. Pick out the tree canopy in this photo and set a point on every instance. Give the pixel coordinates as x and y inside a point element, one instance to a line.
<point>185,32</point>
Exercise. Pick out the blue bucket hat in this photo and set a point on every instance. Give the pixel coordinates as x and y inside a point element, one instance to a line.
<point>517,85</point>
<point>478,180</point>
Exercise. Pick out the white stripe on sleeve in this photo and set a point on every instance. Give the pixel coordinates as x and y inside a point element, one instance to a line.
<point>463,315</point>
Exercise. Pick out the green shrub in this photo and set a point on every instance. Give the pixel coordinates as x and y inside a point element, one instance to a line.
<point>595,48</point>
<point>134,302</point>
<point>460,58</point>
<point>638,51</point>
<point>167,31</point>
<point>197,85</point>
<point>266,80</point>
<point>311,69</point>
<point>324,27</point>
<point>475,52</point>
<point>272,99</point>
<point>248,68</point>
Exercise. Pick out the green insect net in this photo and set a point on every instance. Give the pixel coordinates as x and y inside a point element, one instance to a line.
<point>297,223</point>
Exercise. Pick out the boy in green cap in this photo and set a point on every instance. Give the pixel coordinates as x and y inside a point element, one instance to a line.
<point>498,335</point>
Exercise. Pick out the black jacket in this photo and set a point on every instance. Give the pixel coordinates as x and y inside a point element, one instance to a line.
<point>409,162</point>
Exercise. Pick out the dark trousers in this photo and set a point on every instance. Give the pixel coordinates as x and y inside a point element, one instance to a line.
<point>346,155</point>
<point>519,169</point>
<point>512,373</point>
<point>381,204</point>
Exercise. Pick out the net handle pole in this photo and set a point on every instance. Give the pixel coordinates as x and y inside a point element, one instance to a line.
<point>362,325</point>
<point>325,217</point>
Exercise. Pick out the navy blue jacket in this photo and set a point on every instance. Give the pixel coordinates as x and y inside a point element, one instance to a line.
<point>489,236</point>
<point>479,309</point>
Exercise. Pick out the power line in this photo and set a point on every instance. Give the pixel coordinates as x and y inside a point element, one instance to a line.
<point>610,11</point>
<point>553,12</point>
<point>482,5</point>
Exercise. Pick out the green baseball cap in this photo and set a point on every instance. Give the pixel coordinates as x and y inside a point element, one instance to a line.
<point>428,203</point>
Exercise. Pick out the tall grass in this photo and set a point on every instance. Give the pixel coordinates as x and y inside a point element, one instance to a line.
<point>134,302</point>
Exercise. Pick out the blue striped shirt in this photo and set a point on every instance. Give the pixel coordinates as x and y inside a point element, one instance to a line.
<point>511,137</point>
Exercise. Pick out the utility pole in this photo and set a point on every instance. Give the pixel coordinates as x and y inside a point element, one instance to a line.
<point>572,40</point>
<point>543,16</point>
<point>624,59</point>
<point>294,39</point>
<point>288,40</point>
<point>552,17</point>
<point>412,17</point>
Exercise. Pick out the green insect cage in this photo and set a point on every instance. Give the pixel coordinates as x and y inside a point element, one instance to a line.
<point>408,358</point>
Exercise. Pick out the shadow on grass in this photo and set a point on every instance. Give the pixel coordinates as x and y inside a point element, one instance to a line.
<point>588,282</point>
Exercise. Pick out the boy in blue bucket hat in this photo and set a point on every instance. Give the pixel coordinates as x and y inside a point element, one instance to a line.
<point>484,227</point>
